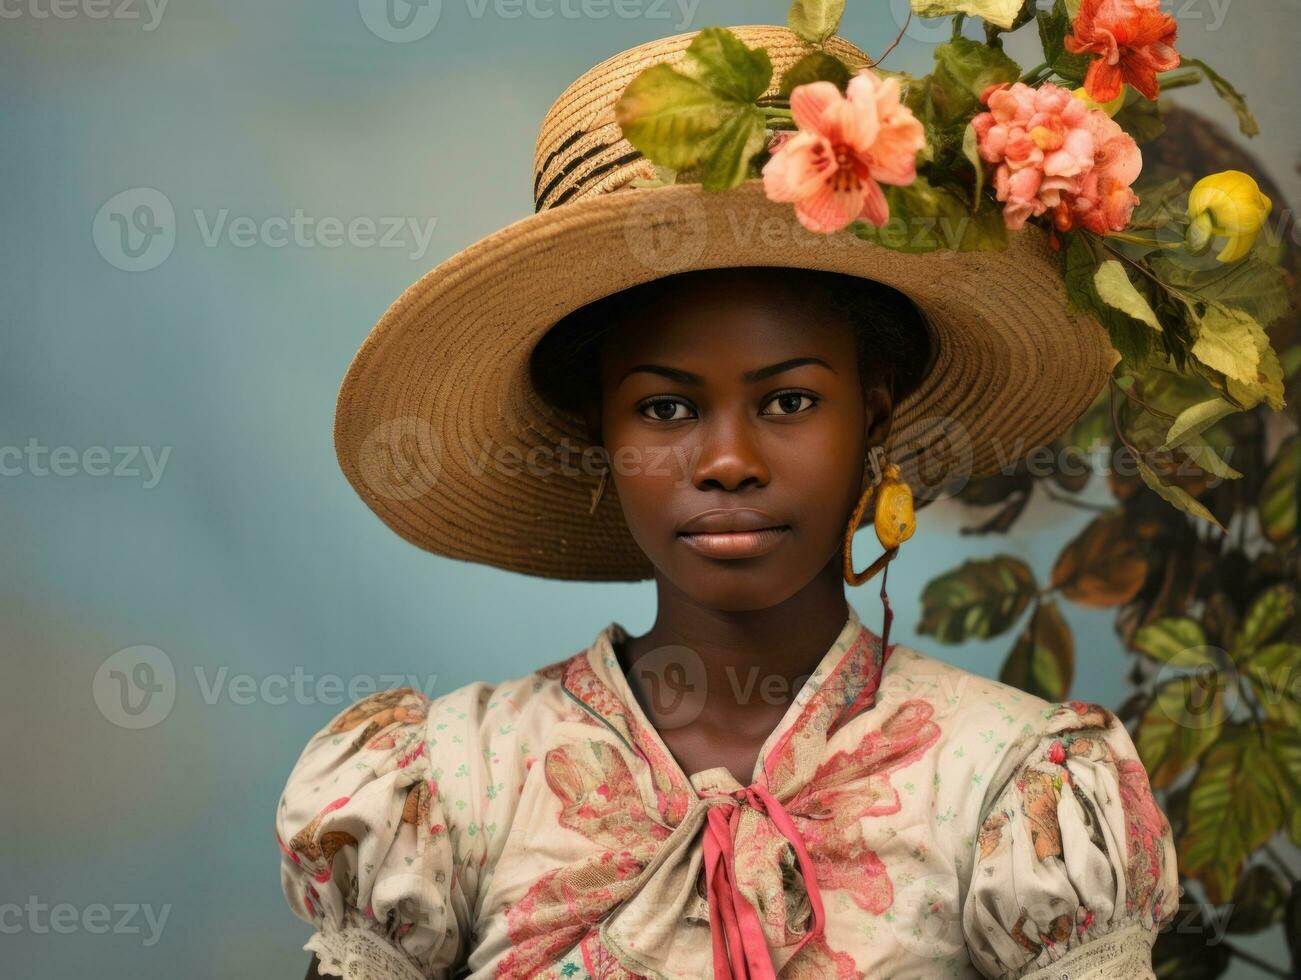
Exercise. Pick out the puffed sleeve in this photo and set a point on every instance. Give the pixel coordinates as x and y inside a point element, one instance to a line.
<point>366,853</point>
<point>1074,867</point>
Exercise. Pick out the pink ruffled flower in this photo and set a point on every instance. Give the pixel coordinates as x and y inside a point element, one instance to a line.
<point>1103,201</point>
<point>1053,153</point>
<point>1041,141</point>
<point>846,147</point>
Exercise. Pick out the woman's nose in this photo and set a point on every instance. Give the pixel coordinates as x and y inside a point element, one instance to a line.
<point>730,457</point>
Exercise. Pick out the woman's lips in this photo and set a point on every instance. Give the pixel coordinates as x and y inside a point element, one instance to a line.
<point>736,544</point>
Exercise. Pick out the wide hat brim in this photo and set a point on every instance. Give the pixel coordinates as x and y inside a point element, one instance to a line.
<point>439,429</point>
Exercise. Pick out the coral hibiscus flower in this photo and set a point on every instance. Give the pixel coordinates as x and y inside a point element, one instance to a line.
<point>1133,39</point>
<point>846,147</point>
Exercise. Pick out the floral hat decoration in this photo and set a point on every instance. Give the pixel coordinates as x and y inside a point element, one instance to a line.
<point>1008,204</point>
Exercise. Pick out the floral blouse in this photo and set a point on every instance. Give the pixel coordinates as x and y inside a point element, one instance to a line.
<point>911,821</point>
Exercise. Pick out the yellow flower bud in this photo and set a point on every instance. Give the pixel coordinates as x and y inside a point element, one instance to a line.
<point>1226,205</point>
<point>1110,107</point>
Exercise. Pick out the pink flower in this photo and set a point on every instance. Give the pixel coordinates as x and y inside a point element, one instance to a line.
<point>1103,201</point>
<point>1053,153</point>
<point>1133,39</point>
<point>846,147</point>
<point>1040,140</point>
<point>1056,753</point>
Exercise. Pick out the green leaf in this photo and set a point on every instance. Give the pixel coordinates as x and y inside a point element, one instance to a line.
<point>703,116</point>
<point>1227,341</point>
<point>1175,640</point>
<point>979,599</point>
<point>970,150</point>
<point>1236,100</point>
<point>1277,504</point>
<point>1270,612</point>
<point>669,116</point>
<point>999,12</point>
<point>1204,455</point>
<point>1233,808</point>
<point>1159,204</point>
<point>963,70</point>
<point>1140,118</point>
<point>1255,287</point>
<point>924,218</point>
<point>1185,718</point>
<point>815,20</point>
<point>1195,419</point>
<point>1175,495</point>
<point>1132,338</point>
<point>1054,24</point>
<point>1274,673</point>
<point>720,60</point>
<point>727,159</point>
<point>1042,662</point>
<point>1113,286</point>
<point>816,66</point>
<point>1285,744</point>
<point>1268,385</point>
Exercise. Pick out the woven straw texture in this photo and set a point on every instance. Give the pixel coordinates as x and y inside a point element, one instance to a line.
<point>440,431</point>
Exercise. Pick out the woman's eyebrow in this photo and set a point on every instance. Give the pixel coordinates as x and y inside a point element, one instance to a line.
<point>758,374</point>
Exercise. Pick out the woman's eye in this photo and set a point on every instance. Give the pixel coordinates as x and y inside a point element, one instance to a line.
<point>666,410</point>
<point>789,403</point>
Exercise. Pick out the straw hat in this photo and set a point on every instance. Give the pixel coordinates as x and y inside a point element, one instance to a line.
<point>440,430</point>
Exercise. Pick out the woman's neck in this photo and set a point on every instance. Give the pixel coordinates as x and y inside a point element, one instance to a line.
<point>752,663</point>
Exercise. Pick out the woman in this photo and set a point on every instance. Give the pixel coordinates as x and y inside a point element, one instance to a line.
<point>759,784</point>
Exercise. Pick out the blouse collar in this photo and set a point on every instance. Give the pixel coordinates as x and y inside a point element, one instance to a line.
<point>841,686</point>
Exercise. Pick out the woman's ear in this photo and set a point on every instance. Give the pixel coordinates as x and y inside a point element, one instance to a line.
<point>878,409</point>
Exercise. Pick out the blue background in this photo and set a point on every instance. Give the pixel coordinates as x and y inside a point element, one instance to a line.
<point>251,556</point>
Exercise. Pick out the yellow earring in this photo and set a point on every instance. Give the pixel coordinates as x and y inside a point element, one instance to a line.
<point>893,516</point>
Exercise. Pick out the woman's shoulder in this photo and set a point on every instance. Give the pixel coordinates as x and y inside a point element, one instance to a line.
<point>970,701</point>
<point>431,733</point>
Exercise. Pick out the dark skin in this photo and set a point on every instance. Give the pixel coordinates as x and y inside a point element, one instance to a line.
<point>789,442</point>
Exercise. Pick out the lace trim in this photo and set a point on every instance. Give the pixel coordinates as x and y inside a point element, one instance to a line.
<point>1123,955</point>
<point>358,954</point>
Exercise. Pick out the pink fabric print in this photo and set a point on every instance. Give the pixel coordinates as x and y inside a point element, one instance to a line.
<point>1145,829</point>
<point>600,800</point>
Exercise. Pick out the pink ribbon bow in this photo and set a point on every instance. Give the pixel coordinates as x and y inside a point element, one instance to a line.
<point>740,946</point>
